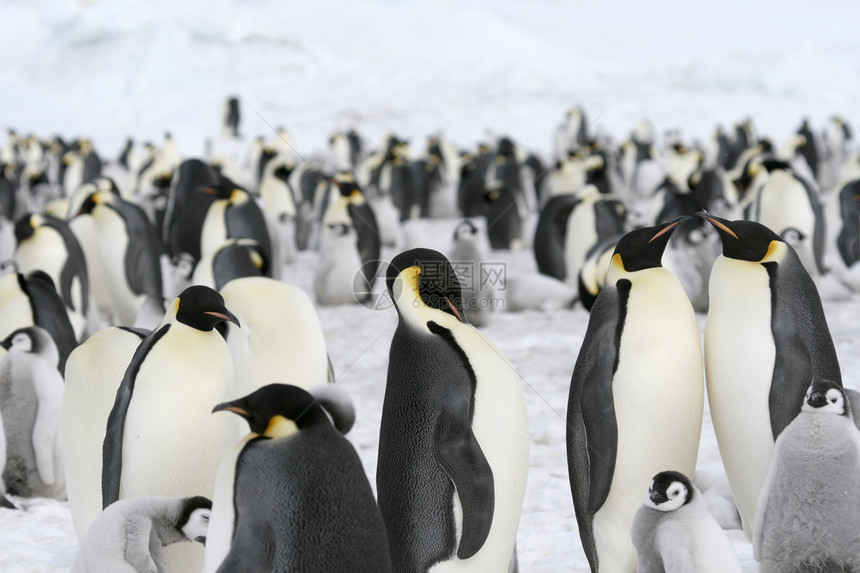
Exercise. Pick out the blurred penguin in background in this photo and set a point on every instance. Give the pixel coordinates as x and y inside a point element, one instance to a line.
<point>467,255</point>
<point>231,116</point>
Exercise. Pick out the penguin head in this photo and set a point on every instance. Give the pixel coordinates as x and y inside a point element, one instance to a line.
<point>826,396</point>
<point>668,491</point>
<point>33,340</point>
<point>22,340</point>
<point>26,226</point>
<point>202,308</point>
<point>744,240</point>
<point>193,520</point>
<point>345,183</point>
<point>643,248</point>
<point>93,200</point>
<point>277,410</point>
<point>423,282</point>
<point>465,230</point>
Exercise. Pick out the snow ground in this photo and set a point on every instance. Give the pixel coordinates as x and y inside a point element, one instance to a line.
<point>129,67</point>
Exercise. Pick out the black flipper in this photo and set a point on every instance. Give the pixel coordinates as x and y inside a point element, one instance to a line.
<point>368,240</point>
<point>112,446</point>
<point>143,252</point>
<point>75,265</point>
<point>592,430</point>
<point>461,457</point>
<point>5,503</point>
<point>804,347</point>
<point>246,221</point>
<point>49,312</point>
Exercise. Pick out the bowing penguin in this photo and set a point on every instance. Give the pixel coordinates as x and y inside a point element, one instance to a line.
<point>642,342</point>
<point>292,495</point>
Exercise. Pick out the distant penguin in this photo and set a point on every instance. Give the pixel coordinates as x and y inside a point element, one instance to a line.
<point>338,277</point>
<point>31,398</point>
<point>550,235</point>
<point>234,215</point>
<point>47,243</point>
<point>130,535</point>
<point>572,133</point>
<point>187,207</point>
<point>231,116</point>
<point>129,251</point>
<point>673,531</point>
<point>592,275</point>
<point>32,300</point>
<point>93,375</point>
<point>642,341</point>
<point>453,441</point>
<point>504,215</point>
<point>845,212</point>
<point>292,495</point>
<point>362,218</point>
<point>594,218</point>
<point>809,512</point>
<point>234,258</point>
<point>765,336</point>
<point>281,337</point>
<point>160,439</point>
<point>279,203</point>
<point>468,255</point>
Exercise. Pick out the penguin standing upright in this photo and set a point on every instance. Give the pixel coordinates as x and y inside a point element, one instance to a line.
<point>453,441</point>
<point>47,243</point>
<point>234,215</point>
<point>131,533</point>
<point>187,207</point>
<point>550,234</point>
<point>93,375</point>
<point>594,218</point>
<point>292,495</point>
<point>129,250</point>
<point>280,338</point>
<point>363,220</point>
<point>642,343</point>
<point>809,511</point>
<point>467,254</point>
<point>673,530</point>
<point>160,439</point>
<point>231,116</point>
<point>765,337</point>
<point>31,398</point>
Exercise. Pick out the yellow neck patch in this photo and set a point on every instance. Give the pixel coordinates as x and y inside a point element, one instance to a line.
<point>280,427</point>
<point>617,262</point>
<point>773,251</point>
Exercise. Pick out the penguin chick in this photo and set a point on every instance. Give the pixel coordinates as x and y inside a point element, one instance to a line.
<point>292,495</point>
<point>31,399</point>
<point>130,534</point>
<point>673,530</point>
<point>809,510</point>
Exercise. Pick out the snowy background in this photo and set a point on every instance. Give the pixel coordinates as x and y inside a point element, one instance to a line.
<point>121,68</point>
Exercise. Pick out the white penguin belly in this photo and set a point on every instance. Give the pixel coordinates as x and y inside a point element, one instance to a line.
<point>784,204</point>
<point>581,236</point>
<point>214,231</point>
<point>15,311</point>
<point>44,251</point>
<point>739,362</point>
<point>658,395</point>
<point>500,425</point>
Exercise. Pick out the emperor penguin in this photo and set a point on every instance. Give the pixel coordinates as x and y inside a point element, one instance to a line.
<point>281,337</point>
<point>809,511</point>
<point>292,494</point>
<point>636,396</point>
<point>453,441</point>
<point>673,530</point>
<point>160,439</point>
<point>129,251</point>
<point>550,235</point>
<point>468,255</point>
<point>353,203</point>
<point>593,218</point>
<point>130,535</point>
<point>231,116</point>
<point>32,300</point>
<point>234,258</point>
<point>31,398</point>
<point>93,375</point>
<point>48,243</point>
<point>187,207</point>
<point>234,215</point>
<point>765,336</point>
<point>338,278</point>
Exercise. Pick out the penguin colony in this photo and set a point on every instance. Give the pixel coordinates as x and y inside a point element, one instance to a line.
<point>154,356</point>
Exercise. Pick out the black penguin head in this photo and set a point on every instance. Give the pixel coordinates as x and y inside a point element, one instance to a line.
<point>668,491</point>
<point>26,226</point>
<point>743,240</point>
<point>826,396</point>
<point>93,200</point>
<point>193,521</point>
<point>422,279</point>
<point>338,229</point>
<point>345,182</point>
<point>202,308</point>
<point>277,410</point>
<point>465,230</point>
<point>643,248</point>
<point>23,339</point>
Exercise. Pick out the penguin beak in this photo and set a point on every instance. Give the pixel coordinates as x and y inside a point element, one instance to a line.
<point>657,498</point>
<point>454,309</point>
<point>817,399</point>
<point>719,224</point>
<point>226,316</point>
<point>209,191</point>
<point>668,228</point>
<point>229,407</point>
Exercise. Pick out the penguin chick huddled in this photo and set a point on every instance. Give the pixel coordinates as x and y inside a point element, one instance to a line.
<point>31,399</point>
<point>292,495</point>
<point>130,534</point>
<point>673,530</point>
<point>809,510</point>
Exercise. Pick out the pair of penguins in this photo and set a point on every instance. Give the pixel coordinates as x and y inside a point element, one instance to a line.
<point>636,398</point>
<point>454,453</point>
